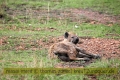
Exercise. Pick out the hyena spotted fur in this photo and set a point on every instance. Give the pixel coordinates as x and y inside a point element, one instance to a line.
<point>67,50</point>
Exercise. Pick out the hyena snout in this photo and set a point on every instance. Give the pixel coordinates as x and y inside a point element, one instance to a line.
<point>75,40</point>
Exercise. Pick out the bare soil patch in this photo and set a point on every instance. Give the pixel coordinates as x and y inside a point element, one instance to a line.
<point>3,40</point>
<point>72,15</point>
<point>95,17</point>
<point>107,48</point>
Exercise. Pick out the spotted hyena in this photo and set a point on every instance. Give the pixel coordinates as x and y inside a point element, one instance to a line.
<point>67,50</point>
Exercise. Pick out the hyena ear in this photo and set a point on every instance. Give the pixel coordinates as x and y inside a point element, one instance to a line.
<point>66,34</point>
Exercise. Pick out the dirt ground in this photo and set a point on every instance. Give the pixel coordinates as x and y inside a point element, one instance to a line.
<point>72,15</point>
<point>107,48</point>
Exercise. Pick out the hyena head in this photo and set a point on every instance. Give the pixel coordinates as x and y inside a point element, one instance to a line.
<point>71,37</point>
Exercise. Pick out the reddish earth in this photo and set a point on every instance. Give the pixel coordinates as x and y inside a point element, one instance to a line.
<point>3,40</point>
<point>72,15</point>
<point>107,48</point>
<point>96,17</point>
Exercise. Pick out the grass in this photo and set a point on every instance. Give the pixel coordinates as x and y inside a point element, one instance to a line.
<point>105,6</point>
<point>112,63</point>
<point>23,31</point>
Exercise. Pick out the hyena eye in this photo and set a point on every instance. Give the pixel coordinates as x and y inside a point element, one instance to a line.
<point>72,37</point>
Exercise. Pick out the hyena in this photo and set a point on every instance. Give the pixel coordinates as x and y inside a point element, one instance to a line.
<point>67,50</point>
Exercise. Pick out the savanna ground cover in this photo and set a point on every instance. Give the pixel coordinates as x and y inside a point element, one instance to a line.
<point>29,27</point>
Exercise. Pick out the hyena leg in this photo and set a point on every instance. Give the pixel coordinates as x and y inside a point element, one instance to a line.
<point>67,59</point>
<point>83,53</point>
<point>80,59</point>
<point>74,58</point>
<point>62,54</point>
<point>89,55</point>
<point>64,58</point>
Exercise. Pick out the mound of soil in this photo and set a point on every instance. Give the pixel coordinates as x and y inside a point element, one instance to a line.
<point>107,48</point>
